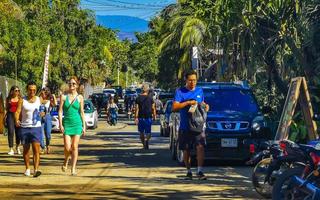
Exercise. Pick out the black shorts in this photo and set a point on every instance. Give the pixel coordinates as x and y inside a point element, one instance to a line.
<point>188,140</point>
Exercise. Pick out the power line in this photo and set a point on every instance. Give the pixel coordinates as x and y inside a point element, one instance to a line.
<point>127,5</point>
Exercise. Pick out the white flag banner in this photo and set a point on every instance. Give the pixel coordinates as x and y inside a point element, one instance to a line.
<point>46,68</point>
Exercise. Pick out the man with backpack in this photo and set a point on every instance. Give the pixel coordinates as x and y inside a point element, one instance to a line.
<point>187,99</point>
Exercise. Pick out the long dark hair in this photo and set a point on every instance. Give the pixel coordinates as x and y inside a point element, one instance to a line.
<point>48,94</point>
<point>10,95</point>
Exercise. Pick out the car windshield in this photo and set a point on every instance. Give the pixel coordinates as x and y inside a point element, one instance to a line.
<point>88,108</point>
<point>231,100</point>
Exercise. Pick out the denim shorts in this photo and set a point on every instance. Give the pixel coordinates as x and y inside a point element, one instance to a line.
<point>144,125</point>
<point>188,140</point>
<point>30,135</point>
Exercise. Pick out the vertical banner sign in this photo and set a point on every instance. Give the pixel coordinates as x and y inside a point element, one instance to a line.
<point>195,57</point>
<point>46,68</point>
<point>7,88</point>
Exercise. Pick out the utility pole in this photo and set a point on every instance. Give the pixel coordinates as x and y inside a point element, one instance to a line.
<point>126,79</point>
<point>16,67</point>
<point>118,72</point>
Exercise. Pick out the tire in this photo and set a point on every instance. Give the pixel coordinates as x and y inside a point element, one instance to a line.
<point>95,125</point>
<point>173,150</point>
<point>258,176</point>
<point>179,154</point>
<point>161,131</point>
<point>166,132</point>
<point>284,181</point>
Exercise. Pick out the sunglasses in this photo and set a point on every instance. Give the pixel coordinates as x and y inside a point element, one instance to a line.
<point>17,90</point>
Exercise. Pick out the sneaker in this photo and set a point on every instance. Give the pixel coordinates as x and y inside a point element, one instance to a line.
<point>18,150</point>
<point>36,173</point>
<point>189,176</point>
<point>201,176</point>
<point>27,172</point>
<point>11,152</point>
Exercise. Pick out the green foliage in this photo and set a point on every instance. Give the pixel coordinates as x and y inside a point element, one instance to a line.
<point>78,46</point>
<point>144,57</point>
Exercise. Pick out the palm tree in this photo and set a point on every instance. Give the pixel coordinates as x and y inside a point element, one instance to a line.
<point>185,32</point>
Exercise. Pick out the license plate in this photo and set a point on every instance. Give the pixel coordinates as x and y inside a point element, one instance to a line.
<point>229,142</point>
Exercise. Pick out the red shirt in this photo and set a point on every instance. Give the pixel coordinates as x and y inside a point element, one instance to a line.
<point>13,106</point>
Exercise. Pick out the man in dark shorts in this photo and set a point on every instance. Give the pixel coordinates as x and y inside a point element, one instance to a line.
<point>144,113</point>
<point>28,117</point>
<point>186,97</point>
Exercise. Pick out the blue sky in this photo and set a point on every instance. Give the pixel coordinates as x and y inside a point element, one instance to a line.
<point>143,9</point>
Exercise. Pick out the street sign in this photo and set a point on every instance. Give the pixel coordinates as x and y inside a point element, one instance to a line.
<point>298,93</point>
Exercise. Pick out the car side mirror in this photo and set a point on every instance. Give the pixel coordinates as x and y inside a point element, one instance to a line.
<point>266,110</point>
<point>316,117</point>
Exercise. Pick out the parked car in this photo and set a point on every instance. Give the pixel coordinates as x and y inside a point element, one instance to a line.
<point>99,100</point>
<point>109,92</point>
<point>90,114</point>
<point>138,90</point>
<point>165,96</point>
<point>234,117</point>
<point>165,125</point>
<point>55,119</point>
<point>119,90</point>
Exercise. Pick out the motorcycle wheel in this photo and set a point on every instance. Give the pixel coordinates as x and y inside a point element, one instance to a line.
<point>258,178</point>
<point>283,188</point>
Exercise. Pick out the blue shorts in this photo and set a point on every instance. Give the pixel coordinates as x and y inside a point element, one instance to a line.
<point>30,135</point>
<point>144,125</point>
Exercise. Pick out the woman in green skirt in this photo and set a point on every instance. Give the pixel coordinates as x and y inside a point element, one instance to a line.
<point>72,124</point>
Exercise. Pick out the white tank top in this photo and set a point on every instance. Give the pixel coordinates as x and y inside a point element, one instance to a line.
<point>30,113</point>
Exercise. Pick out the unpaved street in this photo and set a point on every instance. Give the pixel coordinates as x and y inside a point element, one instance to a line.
<point>113,165</point>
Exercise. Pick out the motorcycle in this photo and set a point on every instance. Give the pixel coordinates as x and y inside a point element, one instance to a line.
<point>277,158</point>
<point>267,151</point>
<point>300,182</point>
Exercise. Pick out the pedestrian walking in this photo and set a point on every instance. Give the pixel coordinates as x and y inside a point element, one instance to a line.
<point>184,101</point>
<point>159,105</point>
<point>73,123</point>
<point>28,117</point>
<point>11,107</point>
<point>48,101</point>
<point>144,113</point>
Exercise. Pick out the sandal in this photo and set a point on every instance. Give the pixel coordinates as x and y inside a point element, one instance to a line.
<point>64,168</point>
<point>73,172</point>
